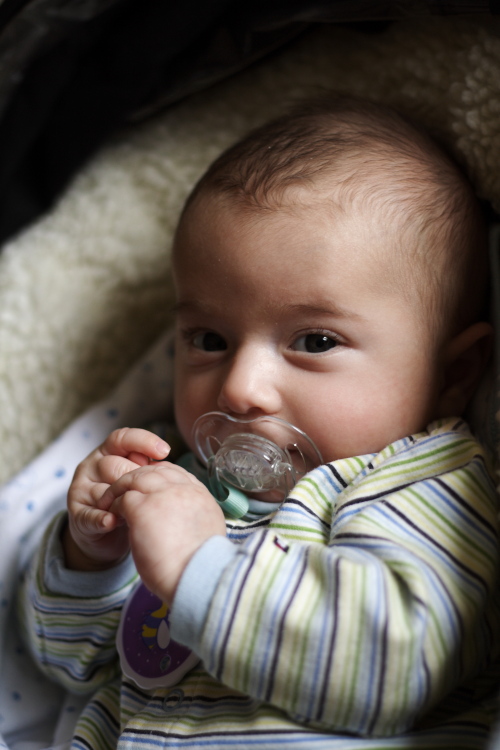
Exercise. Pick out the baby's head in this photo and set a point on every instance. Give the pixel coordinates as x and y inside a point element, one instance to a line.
<point>331,270</point>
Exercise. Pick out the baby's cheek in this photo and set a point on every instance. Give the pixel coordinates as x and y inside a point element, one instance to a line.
<point>184,420</point>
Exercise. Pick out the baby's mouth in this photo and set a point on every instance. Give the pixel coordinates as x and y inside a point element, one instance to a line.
<point>247,454</point>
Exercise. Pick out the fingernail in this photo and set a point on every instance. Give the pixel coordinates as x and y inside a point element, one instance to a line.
<point>163,447</point>
<point>104,522</point>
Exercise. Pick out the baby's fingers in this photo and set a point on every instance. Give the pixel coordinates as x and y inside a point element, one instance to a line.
<point>147,479</point>
<point>90,522</point>
<point>135,441</point>
<point>132,480</point>
<point>111,468</point>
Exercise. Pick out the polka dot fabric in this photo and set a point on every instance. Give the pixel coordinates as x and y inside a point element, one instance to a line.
<point>27,700</point>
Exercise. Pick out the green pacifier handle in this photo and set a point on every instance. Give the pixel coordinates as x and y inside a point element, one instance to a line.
<point>234,502</point>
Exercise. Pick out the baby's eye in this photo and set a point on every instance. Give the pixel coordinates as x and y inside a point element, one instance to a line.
<point>209,342</point>
<point>315,343</point>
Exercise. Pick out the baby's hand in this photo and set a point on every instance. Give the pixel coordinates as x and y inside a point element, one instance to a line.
<point>96,538</point>
<point>169,515</point>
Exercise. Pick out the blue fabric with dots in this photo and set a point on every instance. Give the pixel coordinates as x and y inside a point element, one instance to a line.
<point>34,713</point>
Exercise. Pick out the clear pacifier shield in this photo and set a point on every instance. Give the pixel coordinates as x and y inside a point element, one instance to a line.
<point>254,455</point>
<point>251,463</point>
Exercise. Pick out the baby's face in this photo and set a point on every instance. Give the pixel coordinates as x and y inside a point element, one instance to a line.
<point>291,313</point>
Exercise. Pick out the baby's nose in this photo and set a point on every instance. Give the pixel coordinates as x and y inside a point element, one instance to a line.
<point>251,383</point>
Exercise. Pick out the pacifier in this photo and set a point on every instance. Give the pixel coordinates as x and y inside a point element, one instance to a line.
<point>251,457</point>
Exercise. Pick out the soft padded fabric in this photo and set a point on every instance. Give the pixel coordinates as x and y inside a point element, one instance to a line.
<point>72,72</point>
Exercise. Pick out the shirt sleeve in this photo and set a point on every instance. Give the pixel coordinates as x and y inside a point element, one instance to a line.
<point>369,627</point>
<point>70,618</point>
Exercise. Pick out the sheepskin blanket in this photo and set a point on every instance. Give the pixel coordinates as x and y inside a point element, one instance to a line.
<point>86,290</point>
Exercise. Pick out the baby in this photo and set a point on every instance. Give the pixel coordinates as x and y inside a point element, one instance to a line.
<point>330,272</point>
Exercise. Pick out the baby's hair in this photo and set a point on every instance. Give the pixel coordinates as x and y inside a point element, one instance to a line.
<point>358,153</point>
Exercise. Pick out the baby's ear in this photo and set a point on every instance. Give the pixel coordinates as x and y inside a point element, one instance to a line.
<point>465,359</point>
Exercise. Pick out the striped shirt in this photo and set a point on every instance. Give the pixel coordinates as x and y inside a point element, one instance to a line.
<point>366,605</point>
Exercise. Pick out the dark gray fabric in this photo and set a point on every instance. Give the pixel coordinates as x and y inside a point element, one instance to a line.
<point>73,71</point>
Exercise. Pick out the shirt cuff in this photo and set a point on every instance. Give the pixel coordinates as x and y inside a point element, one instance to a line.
<point>81,584</point>
<point>196,589</point>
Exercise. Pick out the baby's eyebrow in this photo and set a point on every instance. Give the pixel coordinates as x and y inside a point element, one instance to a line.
<point>184,306</point>
<point>299,309</point>
<point>194,308</point>
<point>320,308</point>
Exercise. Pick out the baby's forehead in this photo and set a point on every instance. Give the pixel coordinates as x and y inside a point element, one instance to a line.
<point>326,229</point>
<point>372,206</point>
